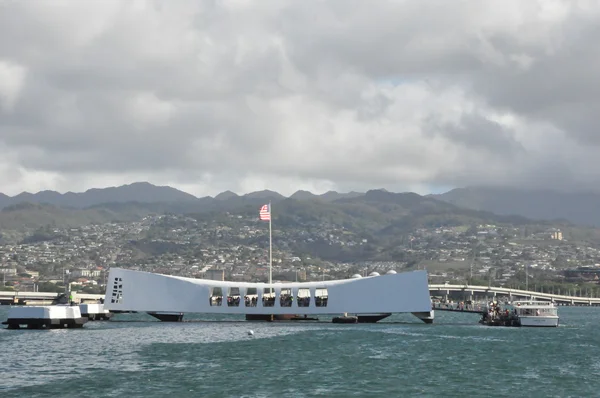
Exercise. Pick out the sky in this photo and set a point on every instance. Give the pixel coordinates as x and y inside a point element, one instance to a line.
<point>344,95</point>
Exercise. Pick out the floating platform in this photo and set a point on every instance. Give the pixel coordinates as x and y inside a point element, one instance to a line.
<point>303,318</point>
<point>345,319</point>
<point>372,318</point>
<point>45,317</point>
<point>167,316</point>
<point>271,317</point>
<point>94,312</point>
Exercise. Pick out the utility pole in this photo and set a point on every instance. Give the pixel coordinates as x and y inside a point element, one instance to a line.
<point>471,269</point>
<point>471,265</point>
<point>270,248</point>
<point>526,278</point>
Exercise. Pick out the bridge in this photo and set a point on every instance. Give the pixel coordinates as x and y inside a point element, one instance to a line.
<point>469,291</point>
<point>512,294</point>
<point>11,297</point>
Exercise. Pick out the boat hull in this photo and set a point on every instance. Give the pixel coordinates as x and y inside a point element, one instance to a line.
<point>539,321</point>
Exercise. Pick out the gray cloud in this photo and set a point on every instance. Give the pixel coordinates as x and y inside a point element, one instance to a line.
<point>477,133</point>
<point>288,95</point>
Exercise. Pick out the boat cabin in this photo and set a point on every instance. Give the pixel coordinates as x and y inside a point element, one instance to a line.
<point>534,308</point>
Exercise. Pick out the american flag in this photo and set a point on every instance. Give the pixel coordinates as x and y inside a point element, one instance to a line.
<point>265,213</point>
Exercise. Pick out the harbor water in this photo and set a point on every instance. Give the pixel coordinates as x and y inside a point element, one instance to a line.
<point>137,356</point>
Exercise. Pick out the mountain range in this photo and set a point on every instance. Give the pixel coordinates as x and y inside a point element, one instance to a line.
<point>144,192</point>
<point>141,197</point>
<point>581,208</point>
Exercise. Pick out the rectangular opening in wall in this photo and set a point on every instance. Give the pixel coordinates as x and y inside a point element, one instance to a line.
<point>251,297</point>
<point>285,297</point>
<point>117,292</point>
<point>321,297</point>
<point>303,297</point>
<point>233,297</point>
<point>216,296</point>
<point>268,299</point>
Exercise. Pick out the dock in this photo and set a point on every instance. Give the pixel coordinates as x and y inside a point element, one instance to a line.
<point>478,308</point>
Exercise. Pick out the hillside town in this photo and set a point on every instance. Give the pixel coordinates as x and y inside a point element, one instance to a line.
<point>236,248</point>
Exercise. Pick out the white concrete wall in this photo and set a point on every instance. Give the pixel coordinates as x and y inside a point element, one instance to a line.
<point>143,291</point>
<point>45,312</point>
<point>91,308</point>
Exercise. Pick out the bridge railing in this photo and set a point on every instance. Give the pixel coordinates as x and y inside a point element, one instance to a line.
<point>468,307</point>
<point>513,292</point>
<point>8,295</point>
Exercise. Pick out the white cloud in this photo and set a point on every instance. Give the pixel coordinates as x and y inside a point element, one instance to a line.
<point>147,110</point>
<point>288,95</point>
<point>12,78</point>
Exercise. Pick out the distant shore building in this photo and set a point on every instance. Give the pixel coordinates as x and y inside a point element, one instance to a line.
<point>556,235</point>
<point>8,271</point>
<point>215,274</point>
<point>86,273</point>
<point>585,273</point>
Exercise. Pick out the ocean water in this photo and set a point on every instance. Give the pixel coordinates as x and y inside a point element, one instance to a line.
<point>135,356</point>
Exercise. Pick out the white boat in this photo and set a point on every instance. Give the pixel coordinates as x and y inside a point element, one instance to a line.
<point>536,313</point>
<point>129,290</point>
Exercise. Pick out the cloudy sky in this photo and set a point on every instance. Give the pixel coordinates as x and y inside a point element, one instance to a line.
<point>286,95</point>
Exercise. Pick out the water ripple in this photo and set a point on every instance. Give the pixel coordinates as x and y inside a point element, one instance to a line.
<point>220,359</point>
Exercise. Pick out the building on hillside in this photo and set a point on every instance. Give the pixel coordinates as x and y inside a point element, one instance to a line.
<point>86,273</point>
<point>33,274</point>
<point>8,271</point>
<point>215,274</point>
<point>585,273</point>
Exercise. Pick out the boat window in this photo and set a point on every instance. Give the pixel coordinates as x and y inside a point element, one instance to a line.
<point>233,297</point>
<point>216,296</point>
<point>321,297</point>
<point>537,311</point>
<point>268,299</point>
<point>303,297</point>
<point>285,297</point>
<point>251,297</point>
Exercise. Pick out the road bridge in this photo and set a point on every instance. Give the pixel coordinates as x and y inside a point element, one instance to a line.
<point>9,297</point>
<point>12,297</point>
<point>512,294</point>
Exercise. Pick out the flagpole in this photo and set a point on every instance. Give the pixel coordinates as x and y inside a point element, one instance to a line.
<point>270,247</point>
